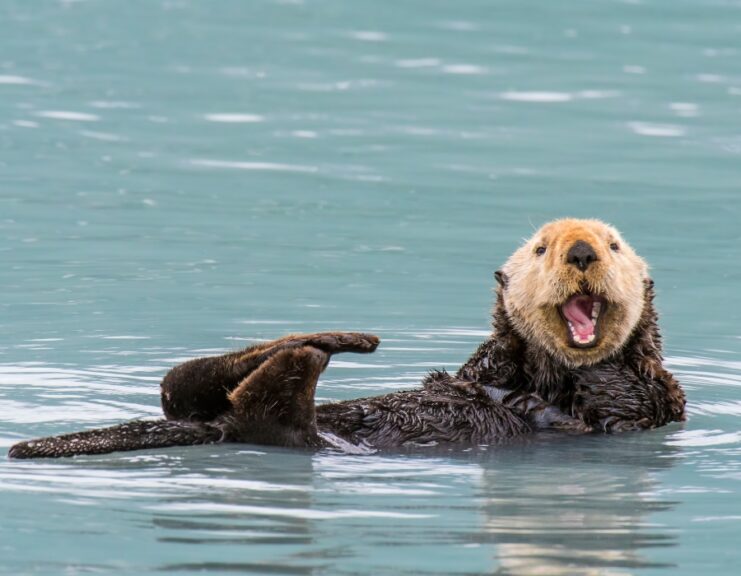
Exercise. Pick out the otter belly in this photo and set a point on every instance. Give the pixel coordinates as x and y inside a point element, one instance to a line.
<point>444,411</point>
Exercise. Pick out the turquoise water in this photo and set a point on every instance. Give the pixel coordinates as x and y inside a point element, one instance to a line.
<point>180,178</point>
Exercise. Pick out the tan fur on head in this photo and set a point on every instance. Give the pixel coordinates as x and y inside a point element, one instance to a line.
<point>534,284</point>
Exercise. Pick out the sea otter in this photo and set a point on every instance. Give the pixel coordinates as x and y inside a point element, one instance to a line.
<point>575,346</point>
<point>574,324</point>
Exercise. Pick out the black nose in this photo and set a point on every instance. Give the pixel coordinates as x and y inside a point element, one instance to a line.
<point>581,255</point>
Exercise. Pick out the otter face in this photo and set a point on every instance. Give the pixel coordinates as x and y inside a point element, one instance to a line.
<point>575,289</point>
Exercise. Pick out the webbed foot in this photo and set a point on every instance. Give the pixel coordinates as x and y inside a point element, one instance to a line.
<point>275,404</point>
<point>328,342</point>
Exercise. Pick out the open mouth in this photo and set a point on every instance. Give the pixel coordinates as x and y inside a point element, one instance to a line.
<point>582,314</point>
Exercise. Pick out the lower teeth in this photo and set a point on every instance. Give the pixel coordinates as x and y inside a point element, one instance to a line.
<point>578,339</point>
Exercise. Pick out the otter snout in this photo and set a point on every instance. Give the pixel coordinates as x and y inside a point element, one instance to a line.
<point>581,255</point>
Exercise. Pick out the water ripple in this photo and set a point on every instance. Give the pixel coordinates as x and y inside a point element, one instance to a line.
<point>25,123</point>
<point>199,508</point>
<point>659,130</point>
<point>418,63</point>
<point>369,35</point>
<point>67,115</point>
<point>16,80</point>
<point>466,69</point>
<point>692,438</point>
<point>254,166</point>
<point>114,104</point>
<point>234,118</point>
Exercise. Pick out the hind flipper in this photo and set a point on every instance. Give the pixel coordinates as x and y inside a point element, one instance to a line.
<point>329,342</point>
<point>197,390</point>
<point>275,404</point>
<point>134,435</point>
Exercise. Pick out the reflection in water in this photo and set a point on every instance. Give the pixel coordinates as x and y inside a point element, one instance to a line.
<point>266,524</point>
<point>552,505</point>
<point>579,507</point>
<point>333,507</point>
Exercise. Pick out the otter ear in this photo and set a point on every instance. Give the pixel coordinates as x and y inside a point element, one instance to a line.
<point>502,278</point>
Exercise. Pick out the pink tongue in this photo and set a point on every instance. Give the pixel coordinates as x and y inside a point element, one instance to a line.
<point>578,311</point>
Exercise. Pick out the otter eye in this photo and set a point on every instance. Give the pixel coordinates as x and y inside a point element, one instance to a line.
<point>614,247</point>
<point>540,250</point>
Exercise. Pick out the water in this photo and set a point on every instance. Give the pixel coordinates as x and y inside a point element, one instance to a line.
<point>179,178</point>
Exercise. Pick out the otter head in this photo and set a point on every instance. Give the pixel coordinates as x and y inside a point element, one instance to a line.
<point>575,289</point>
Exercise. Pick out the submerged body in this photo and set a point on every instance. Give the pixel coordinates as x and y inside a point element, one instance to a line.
<point>575,347</point>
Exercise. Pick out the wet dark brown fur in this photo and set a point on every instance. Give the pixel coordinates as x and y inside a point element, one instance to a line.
<point>510,386</point>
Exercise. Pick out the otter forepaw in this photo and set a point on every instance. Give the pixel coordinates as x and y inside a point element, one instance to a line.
<point>612,425</point>
<point>572,425</point>
<point>552,418</point>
